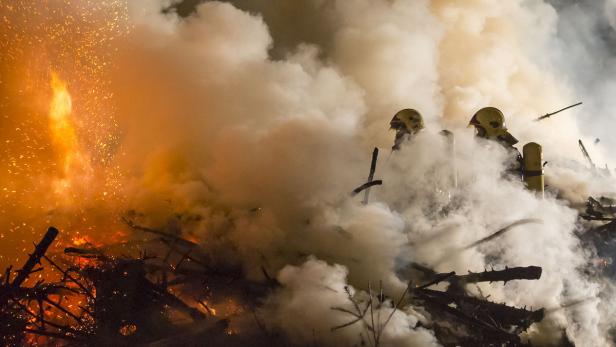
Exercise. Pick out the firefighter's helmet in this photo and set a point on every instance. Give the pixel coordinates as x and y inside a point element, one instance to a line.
<point>407,119</point>
<point>490,124</point>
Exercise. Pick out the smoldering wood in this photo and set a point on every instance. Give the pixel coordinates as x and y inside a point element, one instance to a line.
<point>59,327</point>
<point>68,276</point>
<point>464,320</point>
<point>121,291</point>
<point>50,334</point>
<point>365,186</point>
<point>438,279</point>
<point>167,236</point>
<point>453,327</point>
<point>501,313</point>
<point>461,319</point>
<point>506,275</point>
<point>35,257</point>
<point>371,182</point>
<point>375,157</point>
<point>11,292</point>
<point>458,319</point>
<point>111,286</point>
<point>173,247</point>
<point>83,252</point>
<point>603,209</point>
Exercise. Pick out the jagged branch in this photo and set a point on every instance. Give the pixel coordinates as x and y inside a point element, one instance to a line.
<point>506,275</point>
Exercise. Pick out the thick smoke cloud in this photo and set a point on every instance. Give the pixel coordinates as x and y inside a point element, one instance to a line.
<point>254,134</point>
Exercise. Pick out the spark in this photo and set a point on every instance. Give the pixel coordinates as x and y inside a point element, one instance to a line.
<point>60,131</point>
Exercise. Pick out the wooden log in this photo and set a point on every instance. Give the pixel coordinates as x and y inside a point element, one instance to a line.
<point>35,257</point>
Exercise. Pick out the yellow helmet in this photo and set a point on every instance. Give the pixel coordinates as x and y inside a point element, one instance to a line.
<point>407,119</point>
<point>490,124</point>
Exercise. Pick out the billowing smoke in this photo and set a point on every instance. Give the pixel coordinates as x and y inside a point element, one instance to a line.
<point>246,124</point>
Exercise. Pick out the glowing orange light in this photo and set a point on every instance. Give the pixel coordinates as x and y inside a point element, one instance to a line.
<point>76,167</point>
<point>61,103</point>
<point>81,240</point>
<point>128,329</point>
<point>62,130</point>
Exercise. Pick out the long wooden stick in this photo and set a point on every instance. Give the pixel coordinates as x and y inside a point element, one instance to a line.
<point>375,156</point>
<point>35,257</point>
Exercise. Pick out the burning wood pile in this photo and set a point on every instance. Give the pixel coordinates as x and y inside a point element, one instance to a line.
<point>132,300</point>
<point>462,319</point>
<point>161,298</point>
<point>457,317</point>
<point>111,300</point>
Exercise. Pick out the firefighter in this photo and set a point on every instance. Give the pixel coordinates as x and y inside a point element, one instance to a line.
<point>407,123</point>
<point>489,123</point>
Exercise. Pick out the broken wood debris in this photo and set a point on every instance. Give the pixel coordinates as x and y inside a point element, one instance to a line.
<point>113,300</point>
<point>371,181</point>
<point>375,156</point>
<point>457,317</point>
<point>506,275</point>
<point>461,319</point>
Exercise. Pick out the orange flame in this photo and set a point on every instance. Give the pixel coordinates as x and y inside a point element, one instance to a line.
<point>61,128</point>
<point>74,163</point>
<point>61,105</point>
<point>81,240</point>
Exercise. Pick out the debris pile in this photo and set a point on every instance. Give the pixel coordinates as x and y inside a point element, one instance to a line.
<point>161,298</point>
<point>456,317</point>
<point>114,301</point>
<point>135,300</point>
<point>462,319</point>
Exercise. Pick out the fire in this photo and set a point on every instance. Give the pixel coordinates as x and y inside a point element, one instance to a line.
<point>61,106</point>
<point>81,240</point>
<point>64,135</point>
<point>128,329</point>
<point>62,130</point>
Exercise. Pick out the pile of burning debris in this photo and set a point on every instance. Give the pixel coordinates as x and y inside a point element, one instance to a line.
<point>96,299</point>
<point>131,300</point>
<point>456,317</point>
<point>119,301</point>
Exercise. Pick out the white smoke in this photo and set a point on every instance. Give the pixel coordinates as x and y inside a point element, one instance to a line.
<point>313,289</point>
<point>265,151</point>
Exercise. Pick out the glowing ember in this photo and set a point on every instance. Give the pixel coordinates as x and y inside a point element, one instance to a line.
<point>128,329</point>
<point>205,307</point>
<point>81,240</point>
<point>59,125</point>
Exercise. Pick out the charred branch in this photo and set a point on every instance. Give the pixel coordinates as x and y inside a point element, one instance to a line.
<point>166,236</point>
<point>502,231</point>
<point>375,157</point>
<point>506,275</point>
<point>366,186</point>
<point>35,257</point>
<point>499,315</point>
